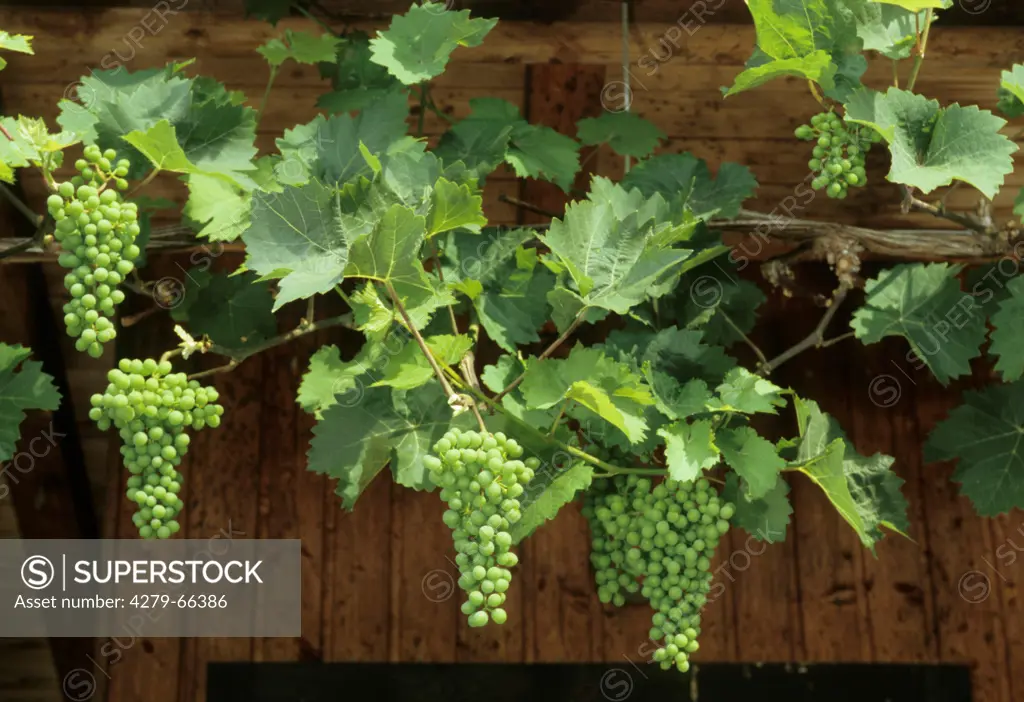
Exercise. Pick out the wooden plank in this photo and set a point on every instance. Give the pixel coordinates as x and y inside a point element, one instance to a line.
<point>968,618</point>
<point>1005,576</point>
<point>291,499</point>
<point>760,579</point>
<point>425,600</point>
<point>46,477</point>
<point>562,612</point>
<point>89,39</point>
<point>832,607</point>
<point>900,603</point>
<point>357,576</point>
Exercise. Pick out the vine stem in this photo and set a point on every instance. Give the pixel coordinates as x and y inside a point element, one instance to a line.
<point>529,207</point>
<point>424,100</point>
<point>919,56</point>
<point>817,337</point>
<point>445,385</point>
<point>144,182</point>
<point>20,206</point>
<point>547,352</point>
<point>561,413</point>
<point>746,339</point>
<point>815,93</point>
<point>266,94</point>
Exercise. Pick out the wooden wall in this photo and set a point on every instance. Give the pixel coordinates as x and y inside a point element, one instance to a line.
<point>378,584</point>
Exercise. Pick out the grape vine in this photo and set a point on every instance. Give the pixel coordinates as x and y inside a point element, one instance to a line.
<point>607,378</point>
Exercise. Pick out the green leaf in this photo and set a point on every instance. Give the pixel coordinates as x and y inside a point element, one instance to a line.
<point>767,518</point>
<point>864,490</point>
<point>481,140</point>
<point>295,236</point>
<point>925,305</point>
<point>714,299</point>
<point>916,5</point>
<point>685,181</point>
<point>616,244</point>
<point>984,435</point>
<point>354,442</point>
<point>301,47</point>
<point>541,152</point>
<point>626,132</point>
<point>816,66</point>
<point>417,45</point>
<point>39,135</point>
<point>160,145</point>
<point>356,80</point>
<point>390,253</point>
<point>233,310</point>
<point>559,492</point>
<point>742,391</point>
<point>409,368</point>
<point>455,206</point>
<point>16,152</point>
<point>594,381</point>
<point>21,390</point>
<point>689,449</point>
<point>221,207</point>
<point>752,457</point>
<point>932,146</point>
<point>887,29</point>
<point>1011,92</point>
<point>22,43</point>
<point>329,377</point>
<point>328,149</point>
<point>1008,332</point>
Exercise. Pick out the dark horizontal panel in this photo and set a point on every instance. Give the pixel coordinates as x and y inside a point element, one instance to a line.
<point>635,681</point>
<point>963,13</point>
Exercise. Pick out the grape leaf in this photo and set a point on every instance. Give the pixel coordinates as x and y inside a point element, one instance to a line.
<point>328,149</point>
<point>742,391</point>
<point>556,494</point>
<point>160,145</point>
<point>354,442</point>
<point>1011,92</point>
<point>417,45</point>
<point>593,380</point>
<point>932,146</point>
<point>301,47</point>
<point>481,140</point>
<point>984,435</point>
<point>767,518</point>
<point>455,206</point>
<point>1018,205</point>
<point>39,136</point>
<point>16,152</point>
<point>233,310</point>
<point>1008,332</point>
<point>627,133</point>
<point>329,377</point>
<point>390,253</point>
<point>423,417</point>
<point>752,457</point>
<point>410,369</point>
<point>356,80</point>
<point>21,43</point>
<point>689,449</point>
<point>615,245</point>
<point>685,180</point>
<point>916,5</point>
<point>295,236</point>
<point>220,207</point>
<point>816,66</point>
<point>21,390</point>
<point>541,152</point>
<point>887,29</point>
<point>864,490</point>
<point>925,305</point>
<point>709,295</point>
<point>512,318</point>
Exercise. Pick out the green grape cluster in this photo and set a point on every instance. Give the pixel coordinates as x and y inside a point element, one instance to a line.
<point>96,231</point>
<point>839,151</point>
<point>658,540</point>
<point>481,479</point>
<point>151,407</point>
